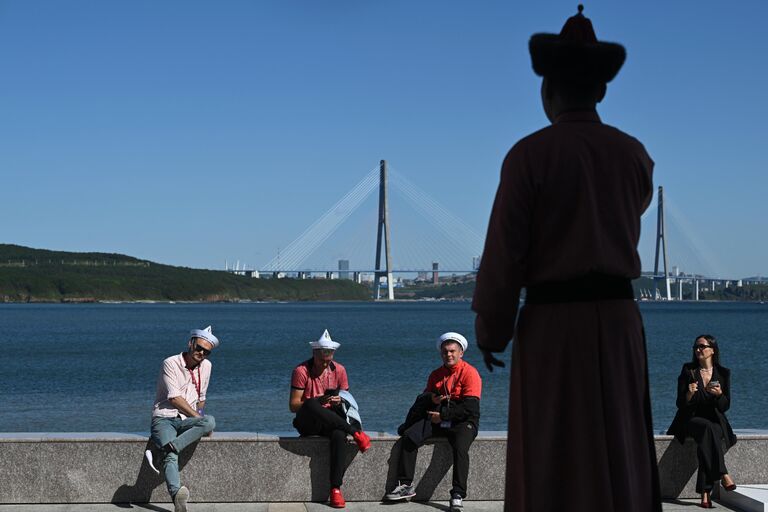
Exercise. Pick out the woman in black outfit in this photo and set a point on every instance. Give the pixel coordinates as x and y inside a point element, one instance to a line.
<point>703,396</point>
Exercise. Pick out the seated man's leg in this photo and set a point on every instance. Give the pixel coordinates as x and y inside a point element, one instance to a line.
<point>406,466</point>
<point>163,432</point>
<point>192,429</point>
<point>460,438</point>
<point>338,452</point>
<point>313,419</point>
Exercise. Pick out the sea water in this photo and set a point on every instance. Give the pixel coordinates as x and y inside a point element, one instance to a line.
<point>93,367</point>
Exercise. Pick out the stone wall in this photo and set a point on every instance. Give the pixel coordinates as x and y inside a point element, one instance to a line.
<point>251,467</point>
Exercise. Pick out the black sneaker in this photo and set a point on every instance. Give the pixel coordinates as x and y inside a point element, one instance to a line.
<point>401,492</point>
<point>456,502</point>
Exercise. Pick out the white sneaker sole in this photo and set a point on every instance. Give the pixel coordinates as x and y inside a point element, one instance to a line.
<point>398,498</point>
<point>148,456</point>
<point>180,500</point>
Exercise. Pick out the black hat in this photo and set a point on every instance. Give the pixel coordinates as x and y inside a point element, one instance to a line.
<point>575,55</point>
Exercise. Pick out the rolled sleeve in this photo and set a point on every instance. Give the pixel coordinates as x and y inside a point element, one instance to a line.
<point>171,380</point>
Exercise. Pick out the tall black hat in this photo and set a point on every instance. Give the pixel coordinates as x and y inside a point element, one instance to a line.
<point>575,55</point>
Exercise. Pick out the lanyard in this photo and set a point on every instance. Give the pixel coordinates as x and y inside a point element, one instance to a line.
<point>197,382</point>
<point>448,390</point>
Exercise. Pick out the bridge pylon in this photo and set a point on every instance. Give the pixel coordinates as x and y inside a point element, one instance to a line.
<point>661,241</point>
<point>383,229</point>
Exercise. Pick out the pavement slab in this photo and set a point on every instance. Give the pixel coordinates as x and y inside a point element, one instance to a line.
<point>426,506</point>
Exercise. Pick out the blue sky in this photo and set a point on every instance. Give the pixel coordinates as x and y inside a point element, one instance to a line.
<point>192,132</point>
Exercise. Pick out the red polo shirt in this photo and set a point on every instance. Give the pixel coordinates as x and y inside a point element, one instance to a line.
<point>461,381</point>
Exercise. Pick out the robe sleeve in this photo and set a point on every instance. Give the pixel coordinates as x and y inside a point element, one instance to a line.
<point>504,258</point>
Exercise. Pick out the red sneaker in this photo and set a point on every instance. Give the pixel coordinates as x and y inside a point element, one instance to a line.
<point>336,499</point>
<point>362,440</point>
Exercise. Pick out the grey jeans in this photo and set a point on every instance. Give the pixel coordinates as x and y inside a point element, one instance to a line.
<point>182,433</point>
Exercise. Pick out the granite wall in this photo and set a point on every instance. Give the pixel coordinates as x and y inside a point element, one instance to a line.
<point>251,467</point>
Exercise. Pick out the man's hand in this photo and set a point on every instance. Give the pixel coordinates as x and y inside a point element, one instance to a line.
<point>436,399</point>
<point>490,360</point>
<point>333,400</point>
<point>434,416</point>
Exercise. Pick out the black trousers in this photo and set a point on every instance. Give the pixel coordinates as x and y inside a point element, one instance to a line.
<point>460,437</point>
<point>709,450</point>
<point>315,420</point>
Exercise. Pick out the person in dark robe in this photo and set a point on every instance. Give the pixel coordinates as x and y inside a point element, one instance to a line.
<point>703,396</point>
<point>565,226</point>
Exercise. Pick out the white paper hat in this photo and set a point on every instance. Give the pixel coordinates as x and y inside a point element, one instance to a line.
<point>325,341</point>
<point>205,334</point>
<point>452,336</point>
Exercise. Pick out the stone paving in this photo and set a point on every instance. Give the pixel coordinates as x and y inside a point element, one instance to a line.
<point>429,506</point>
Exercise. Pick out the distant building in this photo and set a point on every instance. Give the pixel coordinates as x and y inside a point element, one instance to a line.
<point>435,276</point>
<point>343,269</point>
<point>476,263</point>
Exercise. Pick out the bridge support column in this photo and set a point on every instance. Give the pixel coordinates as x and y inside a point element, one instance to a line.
<point>679,289</point>
<point>383,229</point>
<point>696,289</point>
<point>661,242</point>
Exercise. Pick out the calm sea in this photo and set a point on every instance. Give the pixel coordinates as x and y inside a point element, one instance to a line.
<point>90,368</point>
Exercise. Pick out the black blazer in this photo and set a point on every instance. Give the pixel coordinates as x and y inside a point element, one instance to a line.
<point>687,410</point>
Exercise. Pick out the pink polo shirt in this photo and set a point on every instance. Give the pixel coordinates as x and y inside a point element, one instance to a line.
<point>334,377</point>
<point>176,379</point>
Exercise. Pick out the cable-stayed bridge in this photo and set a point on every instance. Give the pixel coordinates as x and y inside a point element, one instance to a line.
<point>429,239</point>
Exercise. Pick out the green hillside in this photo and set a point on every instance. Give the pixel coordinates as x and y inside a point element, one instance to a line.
<point>37,275</point>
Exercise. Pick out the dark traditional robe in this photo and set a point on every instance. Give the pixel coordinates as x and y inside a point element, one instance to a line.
<point>580,432</point>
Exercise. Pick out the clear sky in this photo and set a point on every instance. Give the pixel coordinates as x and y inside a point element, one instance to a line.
<point>190,132</point>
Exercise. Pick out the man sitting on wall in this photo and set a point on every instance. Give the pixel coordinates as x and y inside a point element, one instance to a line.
<point>449,407</point>
<point>321,400</point>
<point>178,419</point>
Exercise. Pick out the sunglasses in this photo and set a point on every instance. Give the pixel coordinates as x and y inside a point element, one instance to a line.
<point>327,351</point>
<point>701,347</point>
<point>198,348</point>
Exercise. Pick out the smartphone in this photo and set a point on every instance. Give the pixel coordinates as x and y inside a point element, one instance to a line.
<point>713,383</point>
<point>332,392</point>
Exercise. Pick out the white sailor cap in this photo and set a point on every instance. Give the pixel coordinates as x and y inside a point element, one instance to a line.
<point>205,334</point>
<point>325,341</point>
<point>452,336</point>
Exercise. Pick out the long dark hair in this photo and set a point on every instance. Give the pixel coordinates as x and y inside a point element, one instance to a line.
<point>712,342</point>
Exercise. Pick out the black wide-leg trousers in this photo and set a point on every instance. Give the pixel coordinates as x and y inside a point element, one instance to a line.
<point>460,437</point>
<point>315,420</point>
<point>709,442</point>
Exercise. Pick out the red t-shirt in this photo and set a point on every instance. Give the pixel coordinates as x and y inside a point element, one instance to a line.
<point>461,381</point>
<point>334,377</point>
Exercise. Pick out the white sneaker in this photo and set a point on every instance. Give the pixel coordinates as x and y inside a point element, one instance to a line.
<point>150,459</point>
<point>456,502</point>
<point>180,500</point>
